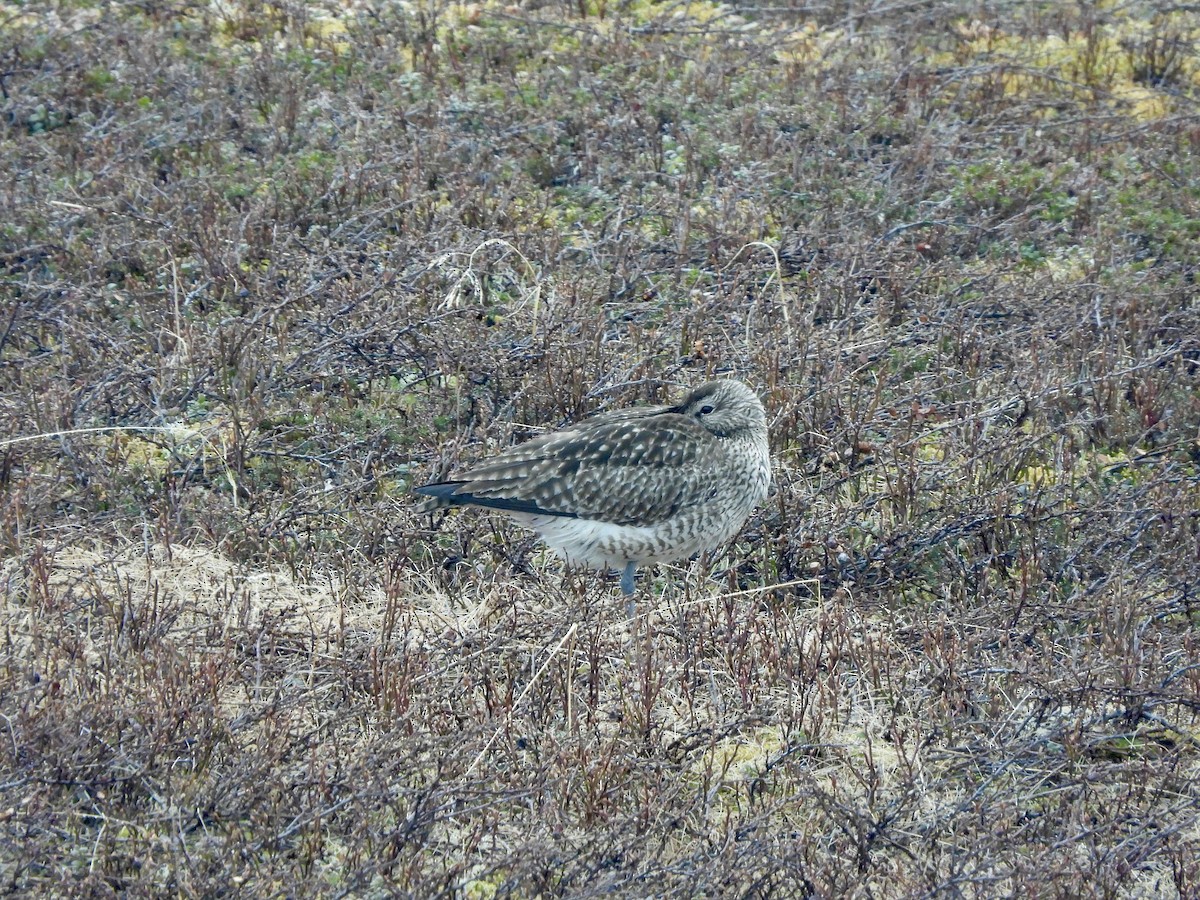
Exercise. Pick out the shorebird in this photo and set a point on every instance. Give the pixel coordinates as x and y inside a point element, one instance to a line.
<point>634,486</point>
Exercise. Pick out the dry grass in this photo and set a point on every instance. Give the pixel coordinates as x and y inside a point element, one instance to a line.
<point>265,264</point>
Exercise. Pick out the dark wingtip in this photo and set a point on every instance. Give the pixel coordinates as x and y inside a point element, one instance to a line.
<point>447,492</point>
<point>442,490</point>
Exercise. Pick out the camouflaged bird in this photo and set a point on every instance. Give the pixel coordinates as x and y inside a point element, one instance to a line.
<point>642,485</point>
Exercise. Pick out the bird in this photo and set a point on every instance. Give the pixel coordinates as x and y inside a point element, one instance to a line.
<point>633,486</point>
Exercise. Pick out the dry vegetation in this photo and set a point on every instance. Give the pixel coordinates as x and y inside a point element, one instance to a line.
<point>262,264</point>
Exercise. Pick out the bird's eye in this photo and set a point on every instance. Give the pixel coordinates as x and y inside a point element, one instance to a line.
<point>706,409</point>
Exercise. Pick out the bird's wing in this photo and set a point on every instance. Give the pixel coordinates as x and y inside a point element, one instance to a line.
<point>633,471</point>
<point>623,415</point>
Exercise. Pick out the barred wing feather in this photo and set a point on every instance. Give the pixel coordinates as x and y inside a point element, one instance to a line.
<point>621,471</point>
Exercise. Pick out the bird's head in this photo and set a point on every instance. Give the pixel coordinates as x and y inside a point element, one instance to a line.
<point>726,408</point>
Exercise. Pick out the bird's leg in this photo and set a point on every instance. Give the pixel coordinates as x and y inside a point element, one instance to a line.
<point>627,579</point>
<point>627,589</point>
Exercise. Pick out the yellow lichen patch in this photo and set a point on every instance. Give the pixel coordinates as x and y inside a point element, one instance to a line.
<point>482,888</point>
<point>704,12</point>
<point>64,16</point>
<point>861,745</point>
<point>734,761</point>
<point>808,45</point>
<point>1144,104</point>
<point>329,30</point>
<point>1114,62</point>
<point>1069,264</point>
<point>931,450</point>
<point>1037,476</point>
<point>179,437</point>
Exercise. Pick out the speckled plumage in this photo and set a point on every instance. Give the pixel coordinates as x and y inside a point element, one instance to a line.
<point>650,484</point>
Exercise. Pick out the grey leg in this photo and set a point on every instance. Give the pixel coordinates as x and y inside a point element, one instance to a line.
<point>627,579</point>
